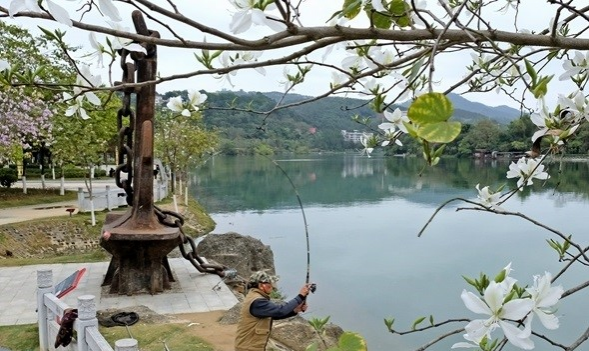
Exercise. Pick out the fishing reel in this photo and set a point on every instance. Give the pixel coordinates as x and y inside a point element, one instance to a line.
<point>312,287</point>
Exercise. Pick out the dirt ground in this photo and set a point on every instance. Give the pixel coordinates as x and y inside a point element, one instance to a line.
<point>207,327</point>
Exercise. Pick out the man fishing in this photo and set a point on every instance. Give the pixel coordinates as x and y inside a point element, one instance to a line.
<point>258,312</point>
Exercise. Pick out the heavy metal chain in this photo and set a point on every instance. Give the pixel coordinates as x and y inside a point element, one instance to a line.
<point>125,165</point>
<point>125,157</point>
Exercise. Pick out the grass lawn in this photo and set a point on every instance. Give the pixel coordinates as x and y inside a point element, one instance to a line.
<point>13,197</point>
<point>178,337</point>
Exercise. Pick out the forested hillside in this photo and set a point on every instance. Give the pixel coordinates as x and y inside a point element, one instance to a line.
<point>248,122</point>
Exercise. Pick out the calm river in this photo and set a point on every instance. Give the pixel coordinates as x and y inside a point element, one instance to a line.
<point>363,218</point>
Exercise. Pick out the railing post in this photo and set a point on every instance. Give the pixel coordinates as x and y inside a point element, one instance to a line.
<point>108,204</point>
<point>81,200</point>
<point>44,286</point>
<point>86,318</point>
<point>126,345</point>
<point>158,188</point>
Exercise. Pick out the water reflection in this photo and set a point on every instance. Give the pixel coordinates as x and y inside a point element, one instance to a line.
<point>364,214</point>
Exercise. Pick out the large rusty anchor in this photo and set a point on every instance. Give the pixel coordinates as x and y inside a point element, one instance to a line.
<point>141,238</point>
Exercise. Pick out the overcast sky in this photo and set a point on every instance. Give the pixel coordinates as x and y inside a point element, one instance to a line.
<point>216,13</point>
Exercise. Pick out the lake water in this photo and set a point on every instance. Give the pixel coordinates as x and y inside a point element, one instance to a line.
<point>363,218</point>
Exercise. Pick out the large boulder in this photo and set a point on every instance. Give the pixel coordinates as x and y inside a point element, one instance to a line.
<point>240,252</point>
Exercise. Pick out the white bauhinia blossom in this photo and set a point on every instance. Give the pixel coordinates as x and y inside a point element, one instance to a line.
<point>364,141</point>
<point>337,79</point>
<point>545,297</point>
<point>195,98</point>
<point>526,169</point>
<point>396,120</point>
<point>499,314</point>
<point>109,9</point>
<point>575,66</point>
<point>541,120</point>
<point>577,105</point>
<point>488,198</point>
<point>17,6</point>
<point>119,43</point>
<point>177,105</point>
<point>99,49</point>
<point>75,106</point>
<point>247,14</point>
<point>59,13</point>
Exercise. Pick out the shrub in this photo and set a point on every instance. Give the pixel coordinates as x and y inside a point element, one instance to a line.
<point>8,177</point>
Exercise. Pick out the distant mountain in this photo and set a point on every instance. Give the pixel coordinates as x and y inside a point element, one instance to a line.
<point>465,110</point>
<point>502,114</point>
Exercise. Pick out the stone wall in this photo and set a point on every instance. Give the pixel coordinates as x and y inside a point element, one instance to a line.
<point>39,239</point>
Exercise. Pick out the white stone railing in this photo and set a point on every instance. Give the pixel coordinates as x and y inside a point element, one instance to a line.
<point>113,198</point>
<point>88,337</point>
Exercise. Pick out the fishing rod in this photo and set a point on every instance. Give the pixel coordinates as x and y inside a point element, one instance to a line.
<point>312,286</point>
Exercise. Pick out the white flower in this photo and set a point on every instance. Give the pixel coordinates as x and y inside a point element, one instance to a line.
<point>75,106</point>
<point>396,120</point>
<point>17,6</point>
<point>175,104</point>
<point>364,141</point>
<point>488,199</point>
<point>59,13</point>
<point>195,98</point>
<point>545,298</point>
<point>575,66</point>
<point>96,46</point>
<point>526,170</point>
<point>337,79</point>
<point>248,14</point>
<point>576,105</point>
<point>119,43</point>
<point>110,10</point>
<point>498,313</point>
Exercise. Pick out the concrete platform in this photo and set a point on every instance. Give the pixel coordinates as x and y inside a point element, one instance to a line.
<point>195,291</point>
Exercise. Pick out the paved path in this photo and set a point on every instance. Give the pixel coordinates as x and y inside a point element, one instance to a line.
<point>193,292</point>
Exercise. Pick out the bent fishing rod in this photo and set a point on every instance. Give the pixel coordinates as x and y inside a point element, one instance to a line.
<point>312,286</point>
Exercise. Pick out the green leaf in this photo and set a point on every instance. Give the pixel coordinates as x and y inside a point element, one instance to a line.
<point>351,8</point>
<point>400,10</point>
<point>430,108</point>
<point>389,323</point>
<point>431,320</point>
<point>417,321</point>
<point>542,87</point>
<point>349,341</point>
<point>501,276</point>
<point>378,19</point>
<point>470,281</point>
<point>531,71</point>
<point>441,132</point>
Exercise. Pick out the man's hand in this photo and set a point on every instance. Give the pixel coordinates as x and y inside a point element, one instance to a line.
<point>305,290</point>
<point>301,308</point>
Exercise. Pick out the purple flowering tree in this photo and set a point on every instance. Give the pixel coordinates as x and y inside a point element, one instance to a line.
<point>25,123</point>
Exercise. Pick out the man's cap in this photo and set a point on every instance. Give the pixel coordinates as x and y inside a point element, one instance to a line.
<point>263,277</point>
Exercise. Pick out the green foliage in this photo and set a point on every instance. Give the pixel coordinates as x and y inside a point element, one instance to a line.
<point>560,248</point>
<point>8,177</point>
<point>84,142</point>
<point>264,149</point>
<point>480,284</point>
<point>417,322</point>
<point>349,341</point>
<point>319,324</point>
